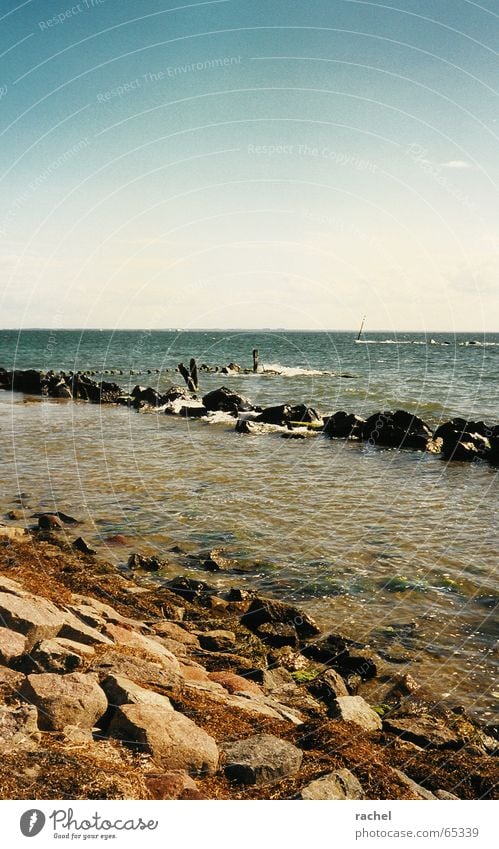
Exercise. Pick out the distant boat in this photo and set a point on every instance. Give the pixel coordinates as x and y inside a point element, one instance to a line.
<point>361,329</point>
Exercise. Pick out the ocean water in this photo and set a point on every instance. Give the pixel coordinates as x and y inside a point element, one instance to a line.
<point>367,539</point>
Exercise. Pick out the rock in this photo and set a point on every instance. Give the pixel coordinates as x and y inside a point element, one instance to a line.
<point>175,632</point>
<point>235,683</point>
<point>35,617</point>
<point>261,759</point>
<point>12,533</point>
<point>123,691</point>
<point>419,791</point>
<point>50,522</point>
<point>139,670</point>
<point>278,415</point>
<point>75,735</point>
<point>463,440</point>
<point>61,655</point>
<point>18,728</point>
<point>189,588</point>
<point>143,395</point>
<point>277,635</point>
<point>444,794</point>
<point>7,585</point>
<point>61,390</point>
<point>397,429</point>
<point>12,645</point>
<point>355,709</point>
<point>14,515</point>
<point>277,680</point>
<point>10,681</point>
<point>149,564</point>
<point>80,545</point>
<point>424,731</point>
<point>174,784</point>
<point>340,784</point>
<point>73,699</point>
<point>226,401</point>
<point>343,425</point>
<point>173,740</point>
<point>329,649</point>
<point>192,411</point>
<point>257,429</point>
<point>217,640</point>
<point>151,647</point>
<point>75,629</point>
<point>328,687</point>
<point>262,610</point>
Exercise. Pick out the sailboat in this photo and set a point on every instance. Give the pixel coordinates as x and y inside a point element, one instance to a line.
<point>360,331</point>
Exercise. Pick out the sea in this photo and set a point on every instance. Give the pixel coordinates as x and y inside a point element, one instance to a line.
<point>394,548</point>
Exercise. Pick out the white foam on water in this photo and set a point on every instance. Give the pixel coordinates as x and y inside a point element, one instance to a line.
<point>291,371</point>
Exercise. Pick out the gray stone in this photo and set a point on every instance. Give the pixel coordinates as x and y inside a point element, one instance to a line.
<point>122,691</point>
<point>329,686</point>
<point>217,640</point>
<point>74,699</point>
<point>13,533</point>
<point>148,645</point>
<point>355,709</point>
<point>420,792</point>
<point>12,645</point>
<point>262,759</point>
<point>173,740</point>
<point>444,794</point>
<point>35,617</point>
<point>340,784</point>
<point>424,731</point>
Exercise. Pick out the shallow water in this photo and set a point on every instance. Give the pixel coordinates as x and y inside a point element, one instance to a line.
<point>330,524</point>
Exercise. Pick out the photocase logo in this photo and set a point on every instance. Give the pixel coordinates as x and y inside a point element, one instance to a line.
<point>32,822</point>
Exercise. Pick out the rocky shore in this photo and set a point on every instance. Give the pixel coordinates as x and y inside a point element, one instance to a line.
<point>456,440</point>
<point>114,685</point>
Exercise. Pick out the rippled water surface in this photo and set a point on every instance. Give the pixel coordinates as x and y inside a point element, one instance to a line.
<point>365,538</point>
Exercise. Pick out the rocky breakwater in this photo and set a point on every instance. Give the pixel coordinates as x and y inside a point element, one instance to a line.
<point>456,440</point>
<point>115,686</point>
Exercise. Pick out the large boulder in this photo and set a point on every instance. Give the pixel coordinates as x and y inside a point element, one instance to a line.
<point>343,425</point>
<point>261,759</point>
<point>73,699</point>
<point>464,440</point>
<point>29,381</point>
<point>173,740</point>
<point>340,784</point>
<point>35,617</point>
<point>397,429</point>
<point>226,401</point>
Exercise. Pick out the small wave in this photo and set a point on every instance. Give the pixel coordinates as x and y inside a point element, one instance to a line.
<point>385,342</point>
<point>292,371</point>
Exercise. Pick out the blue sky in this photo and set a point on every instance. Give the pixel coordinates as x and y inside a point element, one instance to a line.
<point>249,163</point>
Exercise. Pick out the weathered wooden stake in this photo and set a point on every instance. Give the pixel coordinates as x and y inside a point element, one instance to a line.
<point>187,377</point>
<point>255,359</point>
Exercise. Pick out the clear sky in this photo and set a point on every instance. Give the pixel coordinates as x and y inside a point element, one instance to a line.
<point>249,163</point>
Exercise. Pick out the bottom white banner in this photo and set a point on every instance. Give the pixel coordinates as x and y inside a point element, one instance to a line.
<point>209,824</point>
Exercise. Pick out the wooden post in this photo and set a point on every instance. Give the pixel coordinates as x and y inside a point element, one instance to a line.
<point>255,359</point>
<point>193,372</point>
<point>187,377</point>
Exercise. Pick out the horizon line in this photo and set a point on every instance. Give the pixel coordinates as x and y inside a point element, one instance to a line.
<point>238,330</point>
